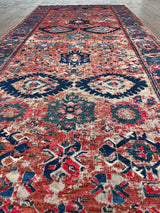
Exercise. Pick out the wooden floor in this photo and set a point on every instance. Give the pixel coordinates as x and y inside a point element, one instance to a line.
<point>13,11</point>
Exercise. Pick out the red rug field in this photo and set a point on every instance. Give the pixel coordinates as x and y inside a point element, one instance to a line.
<point>80,113</point>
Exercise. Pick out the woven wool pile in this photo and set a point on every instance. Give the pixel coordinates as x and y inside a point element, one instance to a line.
<point>79,113</point>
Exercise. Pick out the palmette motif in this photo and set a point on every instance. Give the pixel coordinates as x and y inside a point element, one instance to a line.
<point>79,113</point>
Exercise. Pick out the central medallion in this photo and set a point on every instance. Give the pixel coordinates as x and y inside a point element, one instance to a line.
<point>75,58</point>
<point>112,85</point>
<point>69,111</point>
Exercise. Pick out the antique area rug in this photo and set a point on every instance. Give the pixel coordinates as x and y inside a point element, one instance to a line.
<point>79,113</point>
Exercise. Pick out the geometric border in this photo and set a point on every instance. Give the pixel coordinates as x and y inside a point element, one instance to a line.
<point>17,36</point>
<point>128,22</point>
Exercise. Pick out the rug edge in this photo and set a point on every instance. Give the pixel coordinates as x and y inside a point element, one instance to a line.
<point>142,24</point>
<point>17,25</point>
<point>6,35</point>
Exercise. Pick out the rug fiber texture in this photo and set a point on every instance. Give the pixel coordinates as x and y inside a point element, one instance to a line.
<point>79,113</point>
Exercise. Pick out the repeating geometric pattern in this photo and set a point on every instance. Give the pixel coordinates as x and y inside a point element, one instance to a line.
<point>112,85</point>
<point>79,113</point>
<point>34,85</point>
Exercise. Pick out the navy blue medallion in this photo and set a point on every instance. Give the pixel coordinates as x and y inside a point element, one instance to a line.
<point>100,29</point>
<point>75,58</point>
<point>79,22</point>
<point>111,85</point>
<point>141,152</point>
<point>57,29</point>
<point>34,85</point>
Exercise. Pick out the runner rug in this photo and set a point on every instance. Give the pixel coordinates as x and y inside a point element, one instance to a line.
<point>79,113</point>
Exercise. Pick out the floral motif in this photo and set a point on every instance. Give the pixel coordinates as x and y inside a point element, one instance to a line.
<point>75,58</point>
<point>62,157</point>
<point>141,152</point>
<point>10,112</point>
<point>109,189</point>
<point>126,113</point>
<point>70,111</point>
<point>142,155</point>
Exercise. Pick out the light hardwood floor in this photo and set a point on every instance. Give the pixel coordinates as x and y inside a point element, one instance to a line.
<point>13,11</point>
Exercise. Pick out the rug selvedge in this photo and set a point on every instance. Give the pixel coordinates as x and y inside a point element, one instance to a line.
<point>79,113</point>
